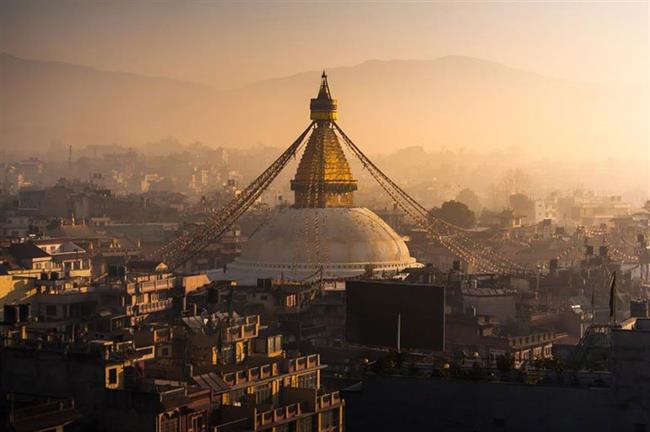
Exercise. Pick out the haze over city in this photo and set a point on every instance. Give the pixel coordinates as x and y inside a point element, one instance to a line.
<point>324,216</point>
<point>552,81</point>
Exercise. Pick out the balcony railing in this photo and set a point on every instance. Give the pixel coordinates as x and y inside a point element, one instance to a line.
<point>251,374</point>
<point>240,331</point>
<point>302,363</point>
<point>534,339</point>
<point>266,371</point>
<point>328,400</point>
<point>277,415</point>
<point>151,285</point>
<point>146,308</point>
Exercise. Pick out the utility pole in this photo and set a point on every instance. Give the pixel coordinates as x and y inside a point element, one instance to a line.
<point>612,300</point>
<point>399,332</point>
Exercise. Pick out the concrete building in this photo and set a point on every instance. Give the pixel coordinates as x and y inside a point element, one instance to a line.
<point>23,266</point>
<point>132,360</point>
<point>496,302</point>
<point>389,403</point>
<point>593,211</point>
<point>477,399</point>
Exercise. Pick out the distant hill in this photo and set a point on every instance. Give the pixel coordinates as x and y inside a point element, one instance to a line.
<point>384,105</point>
<point>43,101</point>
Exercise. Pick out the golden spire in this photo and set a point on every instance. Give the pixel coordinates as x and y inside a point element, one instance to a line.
<point>323,178</point>
<point>323,107</point>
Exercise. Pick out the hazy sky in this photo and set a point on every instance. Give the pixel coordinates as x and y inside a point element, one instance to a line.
<point>228,44</point>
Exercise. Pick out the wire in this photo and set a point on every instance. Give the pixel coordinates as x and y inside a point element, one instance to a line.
<point>185,247</point>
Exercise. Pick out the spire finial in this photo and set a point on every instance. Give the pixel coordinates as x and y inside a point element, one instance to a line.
<point>323,107</point>
<point>324,92</point>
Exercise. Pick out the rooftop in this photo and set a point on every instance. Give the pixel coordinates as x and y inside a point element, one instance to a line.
<point>26,251</point>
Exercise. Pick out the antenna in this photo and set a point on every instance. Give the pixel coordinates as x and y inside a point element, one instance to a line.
<point>231,293</point>
<point>6,171</point>
<point>593,305</point>
<point>612,300</point>
<point>399,332</point>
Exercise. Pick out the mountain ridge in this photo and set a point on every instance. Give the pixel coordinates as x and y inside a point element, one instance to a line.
<point>387,104</point>
<point>4,56</point>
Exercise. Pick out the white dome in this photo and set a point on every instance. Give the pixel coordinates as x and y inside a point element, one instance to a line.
<point>343,241</point>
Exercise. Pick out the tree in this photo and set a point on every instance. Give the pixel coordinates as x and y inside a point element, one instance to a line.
<point>513,181</point>
<point>455,213</point>
<point>470,199</point>
<point>522,206</point>
<point>520,202</point>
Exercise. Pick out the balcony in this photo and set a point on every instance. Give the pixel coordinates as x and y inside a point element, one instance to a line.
<point>147,308</point>
<point>251,374</point>
<point>266,371</point>
<point>328,400</point>
<point>534,339</point>
<point>151,285</point>
<point>277,415</point>
<point>302,363</point>
<point>240,331</point>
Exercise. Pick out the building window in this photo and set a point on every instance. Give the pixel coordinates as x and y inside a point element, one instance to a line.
<point>197,424</point>
<point>307,381</point>
<point>227,355</point>
<point>264,394</point>
<point>304,425</point>
<point>282,428</point>
<point>328,419</point>
<point>168,425</point>
<point>237,396</point>
<point>112,376</point>
<point>276,344</point>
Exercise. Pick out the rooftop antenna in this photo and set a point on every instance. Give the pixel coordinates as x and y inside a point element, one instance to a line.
<point>399,332</point>
<point>612,300</point>
<point>593,303</point>
<point>6,171</point>
<point>231,293</point>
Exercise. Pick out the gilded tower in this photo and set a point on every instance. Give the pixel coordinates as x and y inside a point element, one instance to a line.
<point>323,178</point>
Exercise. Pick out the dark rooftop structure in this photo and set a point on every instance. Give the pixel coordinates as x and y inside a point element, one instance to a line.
<point>22,251</point>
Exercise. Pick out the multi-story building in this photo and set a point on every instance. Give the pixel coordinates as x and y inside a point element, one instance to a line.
<point>613,399</point>
<point>67,257</point>
<point>255,384</point>
<point>477,335</point>
<point>593,211</point>
<point>45,256</point>
<point>23,266</point>
<point>218,372</point>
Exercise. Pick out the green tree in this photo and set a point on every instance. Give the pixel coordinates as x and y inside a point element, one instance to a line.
<point>520,203</point>
<point>470,199</point>
<point>455,213</point>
